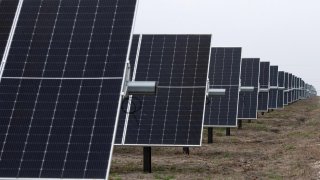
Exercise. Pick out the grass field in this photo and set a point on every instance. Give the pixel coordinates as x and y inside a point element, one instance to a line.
<point>283,144</point>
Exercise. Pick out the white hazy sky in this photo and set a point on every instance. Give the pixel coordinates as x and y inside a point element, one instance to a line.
<point>284,32</point>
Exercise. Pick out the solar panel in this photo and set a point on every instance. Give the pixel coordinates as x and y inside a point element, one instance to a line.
<point>7,12</point>
<point>248,101</point>
<point>263,98</point>
<point>273,93</point>
<point>290,89</point>
<point>286,85</point>
<point>60,89</point>
<point>135,46</point>
<point>296,89</point>
<point>281,85</point>
<point>224,73</point>
<point>302,85</point>
<point>174,116</point>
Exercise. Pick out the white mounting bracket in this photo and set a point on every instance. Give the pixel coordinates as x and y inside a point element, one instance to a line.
<point>246,89</point>
<point>216,92</point>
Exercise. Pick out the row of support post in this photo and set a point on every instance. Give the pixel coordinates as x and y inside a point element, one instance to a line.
<point>147,150</point>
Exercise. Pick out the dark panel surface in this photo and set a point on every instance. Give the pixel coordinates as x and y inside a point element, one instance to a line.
<point>290,93</point>
<point>273,93</point>
<point>273,99</point>
<point>280,101</point>
<point>57,128</point>
<point>264,79</point>
<point>225,65</point>
<point>248,101</point>
<point>224,72</point>
<point>87,38</point>
<point>281,84</point>
<point>222,110</point>
<point>263,101</point>
<point>286,85</point>
<point>285,98</point>
<point>174,116</point>
<point>61,88</point>
<point>7,12</point>
<point>274,76</point>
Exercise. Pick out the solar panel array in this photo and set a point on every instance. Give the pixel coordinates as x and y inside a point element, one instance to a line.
<point>248,101</point>
<point>179,63</point>
<point>60,89</point>
<point>62,78</point>
<point>264,80</point>
<point>224,73</point>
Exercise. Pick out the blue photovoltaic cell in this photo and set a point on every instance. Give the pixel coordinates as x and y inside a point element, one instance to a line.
<point>7,12</point>
<point>60,90</point>
<point>174,116</point>
<point>248,101</point>
<point>224,72</point>
<point>264,80</point>
<point>273,93</point>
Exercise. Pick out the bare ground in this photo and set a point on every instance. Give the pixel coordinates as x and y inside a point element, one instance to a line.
<point>283,144</point>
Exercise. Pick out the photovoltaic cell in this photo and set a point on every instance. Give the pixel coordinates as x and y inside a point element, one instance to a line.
<point>273,93</point>
<point>290,94</point>
<point>281,81</point>
<point>263,102</point>
<point>264,80</point>
<point>7,12</point>
<point>295,88</point>
<point>60,90</point>
<point>174,116</point>
<point>69,32</point>
<point>286,85</point>
<point>248,101</point>
<point>224,73</point>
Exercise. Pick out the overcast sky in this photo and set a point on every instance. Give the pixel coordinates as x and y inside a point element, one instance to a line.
<point>284,32</point>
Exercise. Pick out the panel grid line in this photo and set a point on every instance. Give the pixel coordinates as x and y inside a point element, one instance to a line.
<point>16,96</point>
<point>38,92</point>
<point>58,94</point>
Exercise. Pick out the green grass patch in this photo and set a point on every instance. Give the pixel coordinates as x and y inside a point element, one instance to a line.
<point>289,147</point>
<point>274,176</point>
<point>297,134</point>
<point>163,176</point>
<point>258,127</point>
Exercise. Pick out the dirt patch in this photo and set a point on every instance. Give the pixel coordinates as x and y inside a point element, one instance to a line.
<point>282,144</point>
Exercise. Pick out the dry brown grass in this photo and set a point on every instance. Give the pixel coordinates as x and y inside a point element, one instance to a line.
<point>283,144</point>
